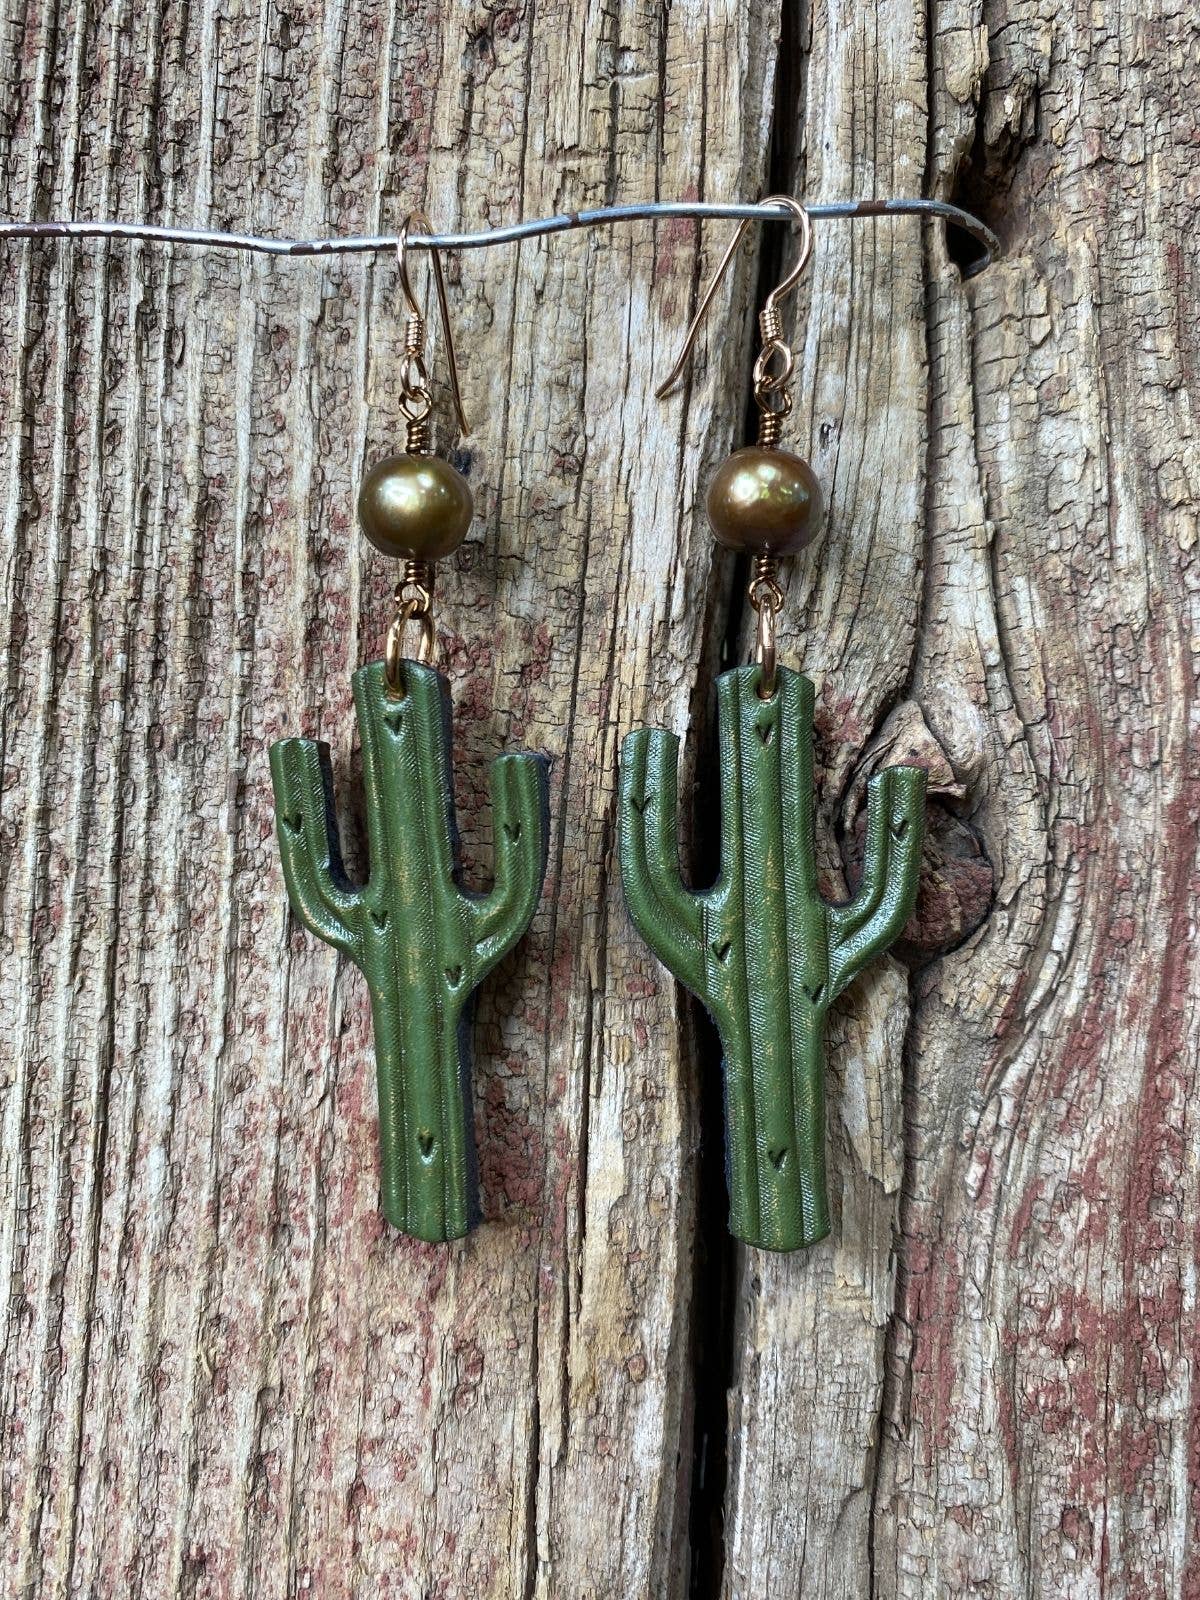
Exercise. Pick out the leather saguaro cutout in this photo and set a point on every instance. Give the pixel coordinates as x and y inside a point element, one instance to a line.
<point>422,943</point>
<point>761,948</point>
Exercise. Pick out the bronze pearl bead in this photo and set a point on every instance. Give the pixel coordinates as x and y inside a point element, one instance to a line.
<point>765,502</point>
<point>415,508</point>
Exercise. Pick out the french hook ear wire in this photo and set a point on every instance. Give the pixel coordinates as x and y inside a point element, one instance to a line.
<point>414,308</point>
<point>772,301</point>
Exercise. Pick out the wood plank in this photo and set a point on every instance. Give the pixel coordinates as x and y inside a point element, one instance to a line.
<point>811,1328</point>
<point>221,1374</point>
<point>1047,1441</point>
<point>1018,1416</point>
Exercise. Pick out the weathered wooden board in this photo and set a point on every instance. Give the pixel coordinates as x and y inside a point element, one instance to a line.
<point>1016,1413</point>
<point>811,1329</point>
<point>220,1374</point>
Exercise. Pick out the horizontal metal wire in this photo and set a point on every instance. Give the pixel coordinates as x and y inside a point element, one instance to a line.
<point>600,216</point>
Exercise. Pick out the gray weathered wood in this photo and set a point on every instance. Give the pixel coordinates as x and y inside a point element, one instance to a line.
<point>220,1373</point>
<point>1014,1412</point>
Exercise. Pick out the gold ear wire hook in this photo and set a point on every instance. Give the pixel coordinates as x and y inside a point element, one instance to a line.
<point>772,300</point>
<point>415,310</point>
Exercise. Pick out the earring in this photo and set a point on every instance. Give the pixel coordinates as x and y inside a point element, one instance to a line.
<point>423,944</point>
<point>761,948</point>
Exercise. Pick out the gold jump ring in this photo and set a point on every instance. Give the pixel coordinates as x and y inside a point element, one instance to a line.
<point>416,610</point>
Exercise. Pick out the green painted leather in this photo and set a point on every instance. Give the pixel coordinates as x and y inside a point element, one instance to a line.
<point>422,943</point>
<point>761,949</point>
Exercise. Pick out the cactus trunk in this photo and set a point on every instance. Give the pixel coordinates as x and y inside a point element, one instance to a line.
<point>761,948</point>
<point>422,943</point>
<point>775,1141</point>
<point>426,1152</point>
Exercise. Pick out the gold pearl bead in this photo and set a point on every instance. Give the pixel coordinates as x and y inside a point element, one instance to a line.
<point>415,508</point>
<point>766,502</point>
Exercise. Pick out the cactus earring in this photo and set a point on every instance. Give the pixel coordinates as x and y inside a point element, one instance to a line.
<point>422,943</point>
<point>761,948</point>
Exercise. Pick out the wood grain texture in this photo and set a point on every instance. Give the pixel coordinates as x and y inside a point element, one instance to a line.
<point>1047,1316</point>
<point>811,1329</point>
<point>220,1373</point>
<point>1013,1413</point>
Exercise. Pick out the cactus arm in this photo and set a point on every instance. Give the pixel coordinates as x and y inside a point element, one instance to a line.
<point>872,920</point>
<point>520,828</point>
<point>668,916</point>
<point>321,896</point>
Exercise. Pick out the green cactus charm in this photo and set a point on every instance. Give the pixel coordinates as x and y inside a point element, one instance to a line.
<point>422,943</point>
<point>761,949</point>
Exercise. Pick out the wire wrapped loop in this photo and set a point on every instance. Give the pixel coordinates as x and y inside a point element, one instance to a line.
<point>773,373</point>
<point>416,395</point>
<point>418,437</point>
<point>771,418</point>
